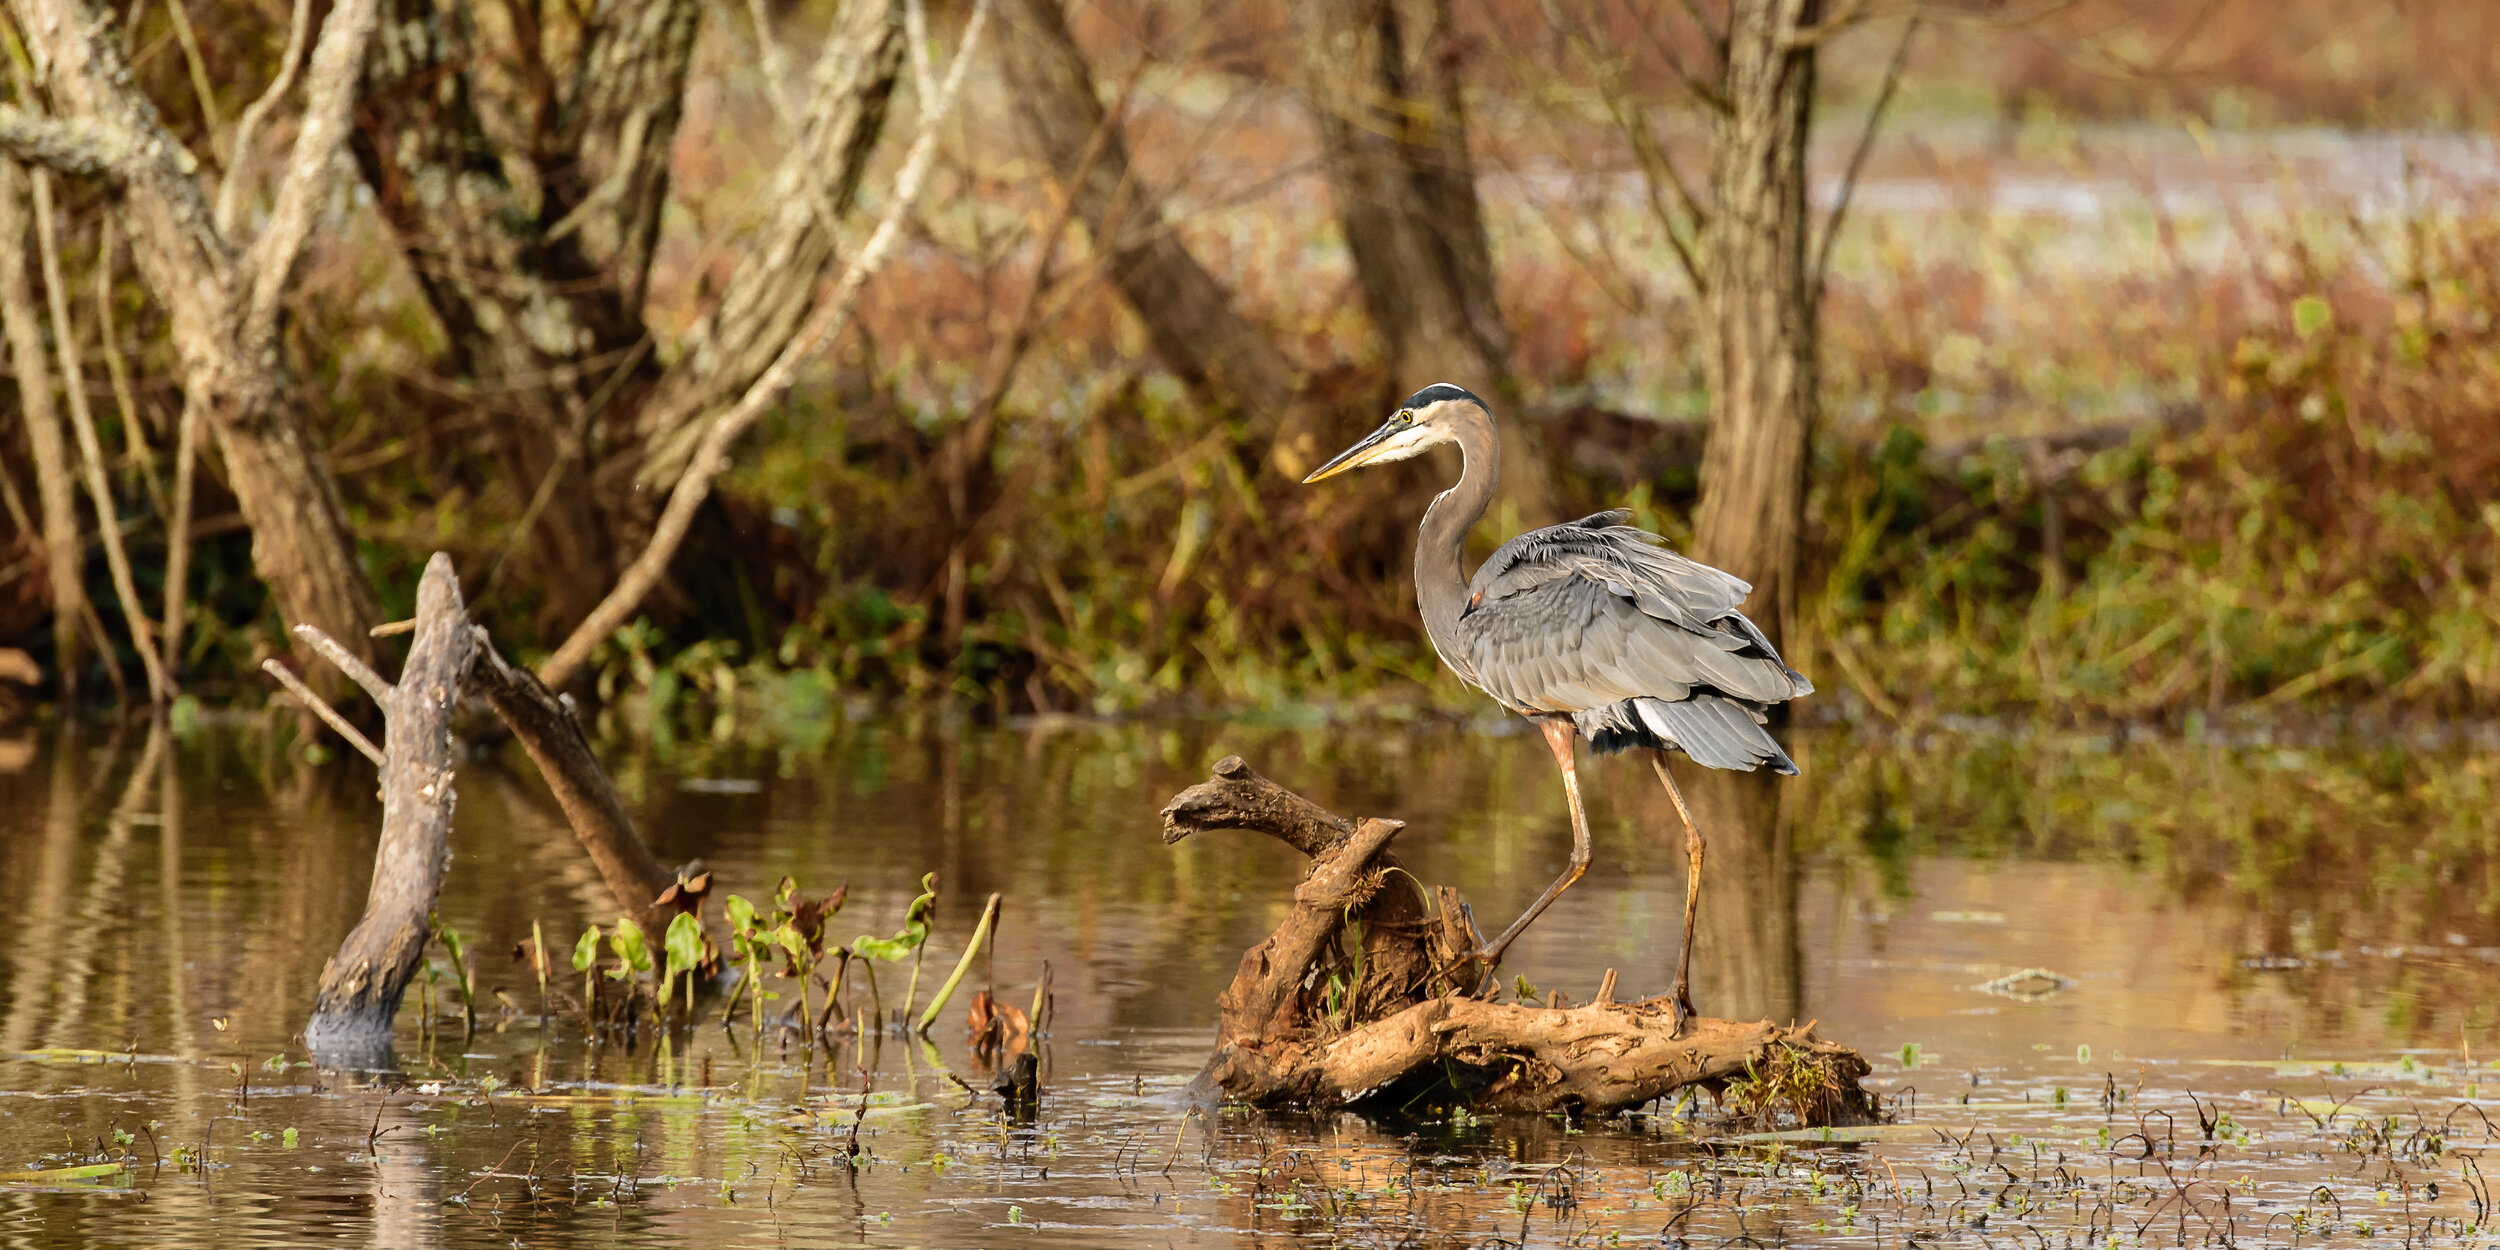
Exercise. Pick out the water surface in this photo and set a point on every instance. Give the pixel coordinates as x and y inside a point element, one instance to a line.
<point>2067,953</point>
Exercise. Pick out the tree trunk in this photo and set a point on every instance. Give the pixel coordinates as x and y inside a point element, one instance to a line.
<point>1382,83</point>
<point>775,284</point>
<point>1761,357</point>
<point>1188,317</point>
<point>223,306</point>
<point>63,554</point>
<point>527,197</point>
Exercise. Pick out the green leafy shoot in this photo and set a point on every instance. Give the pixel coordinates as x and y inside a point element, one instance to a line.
<point>915,928</point>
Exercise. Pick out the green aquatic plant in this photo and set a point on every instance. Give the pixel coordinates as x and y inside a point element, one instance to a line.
<point>586,962</point>
<point>750,944</point>
<point>684,949</point>
<point>906,941</point>
<point>463,975</point>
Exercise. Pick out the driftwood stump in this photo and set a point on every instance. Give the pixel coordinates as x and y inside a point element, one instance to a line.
<point>361,985</point>
<point>1358,1000</point>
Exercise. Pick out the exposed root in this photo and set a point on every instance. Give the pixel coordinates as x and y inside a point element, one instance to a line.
<point>1341,1006</point>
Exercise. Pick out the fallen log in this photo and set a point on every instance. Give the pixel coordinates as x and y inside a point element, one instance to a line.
<point>361,986</point>
<point>1359,999</point>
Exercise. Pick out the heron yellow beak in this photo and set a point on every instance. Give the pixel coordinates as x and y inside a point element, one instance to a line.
<point>1358,455</point>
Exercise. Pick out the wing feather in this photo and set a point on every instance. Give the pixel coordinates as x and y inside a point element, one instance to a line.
<point>1594,612</point>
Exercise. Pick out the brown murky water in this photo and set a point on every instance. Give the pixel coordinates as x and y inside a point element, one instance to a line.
<point>2262,1006</point>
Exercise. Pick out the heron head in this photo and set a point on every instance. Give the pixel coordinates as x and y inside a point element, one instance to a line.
<point>1427,419</point>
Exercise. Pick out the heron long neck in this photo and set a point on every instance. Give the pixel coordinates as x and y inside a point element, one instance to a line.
<point>1440,576</point>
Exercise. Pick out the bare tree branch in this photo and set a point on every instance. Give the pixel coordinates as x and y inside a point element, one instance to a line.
<point>91,450</point>
<point>348,661</point>
<point>178,532</point>
<point>337,65</point>
<point>244,130</point>
<point>822,325</point>
<point>1857,158</point>
<point>80,148</point>
<point>300,540</point>
<point>1813,36</point>
<point>58,498</point>
<point>321,707</point>
<point>776,62</point>
<point>361,984</point>
<point>916,34</point>
<point>544,724</point>
<point>767,296</point>
<point>191,59</point>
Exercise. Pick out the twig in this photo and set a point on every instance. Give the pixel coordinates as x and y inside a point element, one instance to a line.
<point>1857,159</point>
<point>826,321</point>
<point>288,62</point>
<point>321,707</point>
<point>91,451</point>
<point>776,62</point>
<point>916,35</point>
<point>391,629</point>
<point>347,661</point>
<point>1805,37</point>
<point>199,68</point>
<point>1656,166</point>
<point>134,431</point>
<point>58,496</point>
<point>178,530</point>
<point>483,1176</point>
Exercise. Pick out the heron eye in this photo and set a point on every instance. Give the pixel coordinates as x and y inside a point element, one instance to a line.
<point>1406,416</point>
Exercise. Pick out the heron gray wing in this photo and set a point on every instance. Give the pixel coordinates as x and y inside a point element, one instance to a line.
<point>1577,616</point>
<point>1635,562</point>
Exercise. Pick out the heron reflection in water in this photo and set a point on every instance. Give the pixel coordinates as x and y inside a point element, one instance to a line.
<point>1592,629</point>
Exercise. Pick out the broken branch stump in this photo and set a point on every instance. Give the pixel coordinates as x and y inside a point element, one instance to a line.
<point>361,985</point>
<point>1305,1024</point>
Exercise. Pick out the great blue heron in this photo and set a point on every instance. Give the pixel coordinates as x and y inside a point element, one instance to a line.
<point>1591,628</point>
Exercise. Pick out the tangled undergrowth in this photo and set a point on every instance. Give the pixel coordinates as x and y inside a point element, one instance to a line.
<point>2232,464</point>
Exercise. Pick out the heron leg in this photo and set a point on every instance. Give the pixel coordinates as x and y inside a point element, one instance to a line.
<point>1683,992</point>
<point>1562,736</point>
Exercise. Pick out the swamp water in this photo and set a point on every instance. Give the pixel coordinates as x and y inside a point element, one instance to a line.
<point>2120,992</point>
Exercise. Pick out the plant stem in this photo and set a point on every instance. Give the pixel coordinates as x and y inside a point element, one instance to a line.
<point>538,957</point>
<point>980,935</point>
<point>911,992</point>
